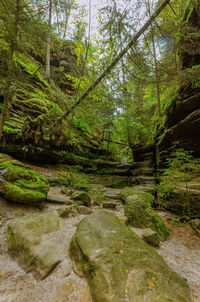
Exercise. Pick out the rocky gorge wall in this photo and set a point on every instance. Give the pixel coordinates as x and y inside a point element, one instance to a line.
<point>182,117</point>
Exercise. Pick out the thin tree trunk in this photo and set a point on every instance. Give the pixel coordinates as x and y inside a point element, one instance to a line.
<point>8,95</point>
<point>47,73</point>
<point>113,64</point>
<point>157,78</point>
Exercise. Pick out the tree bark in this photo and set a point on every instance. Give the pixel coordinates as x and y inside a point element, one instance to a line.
<point>113,64</point>
<point>47,73</point>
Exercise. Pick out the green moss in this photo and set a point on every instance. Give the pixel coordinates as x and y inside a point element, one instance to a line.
<point>97,196</point>
<point>23,185</point>
<point>140,214</point>
<point>15,193</point>
<point>171,101</point>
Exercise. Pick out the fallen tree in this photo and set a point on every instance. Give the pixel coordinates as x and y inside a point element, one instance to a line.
<point>113,64</point>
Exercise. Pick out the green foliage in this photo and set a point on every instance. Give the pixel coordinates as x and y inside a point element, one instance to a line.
<point>182,167</point>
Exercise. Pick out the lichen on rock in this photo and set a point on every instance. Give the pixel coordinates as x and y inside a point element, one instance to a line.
<point>120,266</point>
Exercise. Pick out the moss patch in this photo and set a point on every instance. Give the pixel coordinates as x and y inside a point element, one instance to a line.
<point>21,184</point>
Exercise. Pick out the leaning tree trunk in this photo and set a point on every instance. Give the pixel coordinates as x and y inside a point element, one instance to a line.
<point>47,73</point>
<point>113,64</point>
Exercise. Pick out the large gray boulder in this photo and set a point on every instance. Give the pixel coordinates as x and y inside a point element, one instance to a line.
<point>32,240</point>
<point>119,266</point>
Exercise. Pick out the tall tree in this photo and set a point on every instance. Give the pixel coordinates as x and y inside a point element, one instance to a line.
<point>47,73</point>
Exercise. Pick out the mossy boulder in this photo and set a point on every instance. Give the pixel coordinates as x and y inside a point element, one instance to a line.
<point>63,212</point>
<point>22,185</point>
<point>140,214</point>
<point>30,240</point>
<point>129,191</point>
<point>120,266</point>
<point>81,198</point>
<point>84,210</point>
<point>97,196</point>
<point>151,237</point>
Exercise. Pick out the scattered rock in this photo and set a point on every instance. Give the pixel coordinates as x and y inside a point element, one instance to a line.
<point>56,199</point>
<point>109,205</point>
<point>114,194</point>
<point>84,210</point>
<point>67,191</point>
<point>120,266</point>
<point>141,215</point>
<point>151,237</point>
<point>97,196</point>
<point>32,240</point>
<point>196,223</point>
<point>63,212</point>
<point>81,198</point>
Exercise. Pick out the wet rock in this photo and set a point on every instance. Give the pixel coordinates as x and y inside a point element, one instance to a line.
<point>120,266</point>
<point>109,205</point>
<point>84,210</point>
<point>151,237</point>
<point>140,214</point>
<point>32,240</point>
<point>81,198</point>
<point>63,212</point>
<point>20,184</point>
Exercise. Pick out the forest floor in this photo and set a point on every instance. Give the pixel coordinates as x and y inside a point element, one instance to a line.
<point>181,252</point>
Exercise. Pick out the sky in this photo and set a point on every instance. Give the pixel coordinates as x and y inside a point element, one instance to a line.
<point>98,4</point>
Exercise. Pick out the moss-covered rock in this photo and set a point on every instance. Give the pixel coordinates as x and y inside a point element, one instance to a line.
<point>81,198</point>
<point>140,214</point>
<point>120,266</point>
<point>63,212</point>
<point>129,191</point>
<point>29,239</point>
<point>97,196</point>
<point>151,237</point>
<point>84,210</point>
<point>22,185</point>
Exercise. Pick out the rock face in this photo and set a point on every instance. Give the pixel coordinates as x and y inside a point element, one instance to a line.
<point>140,214</point>
<point>21,185</point>
<point>120,266</point>
<point>182,201</point>
<point>30,240</point>
<point>182,120</point>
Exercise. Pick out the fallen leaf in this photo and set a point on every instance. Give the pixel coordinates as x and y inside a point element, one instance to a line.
<point>151,284</point>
